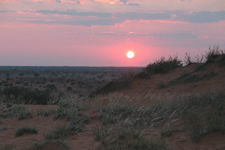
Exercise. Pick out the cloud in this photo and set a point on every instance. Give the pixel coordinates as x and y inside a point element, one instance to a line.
<point>91,18</point>
<point>202,16</point>
<point>87,23</point>
<point>175,35</point>
<point>143,16</point>
<point>75,13</point>
<point>3,11</point>
<point>133,4</point>
<point>126,2</point>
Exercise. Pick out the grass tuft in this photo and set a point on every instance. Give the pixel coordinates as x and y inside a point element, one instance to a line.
<point>123,137</point>
<point>24,130</point>
<point>46,112</point>
<point>60,143</point>
<point>59,132</point>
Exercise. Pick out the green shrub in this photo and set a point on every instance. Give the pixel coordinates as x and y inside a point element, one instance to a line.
<point>69,88</point>
<point>195,126</point>
<point>167,132</point>
<point>51,87</point>
<point>123,137</point>
<point>8,147</point>
<point>213,53</point>
<point>40,146</point>
<point>24,130</point>
<point>163,66</point>
<point>46,112</point>
<point>58,133</point>
<point>26,96</point>
<point>160,67</point>
<point>71,111</point>
<point>18,111</point>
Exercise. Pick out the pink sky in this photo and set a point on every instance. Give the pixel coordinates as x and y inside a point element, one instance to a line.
<point>100,32</point>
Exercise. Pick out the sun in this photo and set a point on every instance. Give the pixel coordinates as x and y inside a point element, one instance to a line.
<point>130,54</point>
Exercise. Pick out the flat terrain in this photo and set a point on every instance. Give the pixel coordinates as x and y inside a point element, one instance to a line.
<point>61,80</point>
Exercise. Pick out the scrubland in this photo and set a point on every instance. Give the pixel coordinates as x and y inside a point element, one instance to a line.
<point>168,105</point>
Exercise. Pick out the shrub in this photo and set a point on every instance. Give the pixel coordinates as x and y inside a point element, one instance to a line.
<point>69,88</point>
<point>195,126</point>
<point>46,112</point>
<point>24,130</point>
<point>58,133</point>
<point>60,144</point>
<point>122,137</point>
<point>27,96</point>
<point>163,66</point>
<point>167,132</point>
<point>51,87</point>
<point>36,74</point>
<point>19,112</point>
<point>71,111</point>
<point>160,67</point>
<point>9,147</point>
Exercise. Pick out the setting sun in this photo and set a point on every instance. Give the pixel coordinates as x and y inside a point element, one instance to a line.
<point>130,54</point>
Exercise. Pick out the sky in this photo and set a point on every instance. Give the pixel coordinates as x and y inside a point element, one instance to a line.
<point>100,32</point>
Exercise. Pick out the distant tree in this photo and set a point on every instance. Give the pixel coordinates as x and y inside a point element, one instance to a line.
<point>36,74</point>
<point>69,88</point>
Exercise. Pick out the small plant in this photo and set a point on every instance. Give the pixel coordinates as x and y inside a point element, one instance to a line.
<point>71,111</point>
<point>36,74</point>
<point>195,126</point>
<point>69,88</point>
<point>58,133</point>
<point>213,53</point>
<point>51,87</point>
<point>123,137</point>
<point>19,111</point>
<point>8,147</point>
<point>167,132</point>
<point>26,96</point>
<point>187,59</point>
<point>46,112</point>
<point>24,130</point>
<point>60,143</point>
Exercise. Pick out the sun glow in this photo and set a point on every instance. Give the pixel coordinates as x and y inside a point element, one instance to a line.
<point>130,54</point>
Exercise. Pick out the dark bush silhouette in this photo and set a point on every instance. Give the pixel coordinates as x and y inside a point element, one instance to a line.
<point>26,96</point>
<point>163,66</point>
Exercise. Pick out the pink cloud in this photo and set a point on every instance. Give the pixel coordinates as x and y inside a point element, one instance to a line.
<point>107,1</point>
<point>37,0</point>
<point>6,1</point>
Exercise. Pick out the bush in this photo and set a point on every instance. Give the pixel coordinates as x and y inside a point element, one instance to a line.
<point>51,87</point>
<point>163,66</point>
<point>160,66</point>
<point>69,88</point>
<point>167,132</point>
<point>58,133</point>
<point>18,111</point>
<point>123,137</point>
<point>26,96</point>
<point>213,53</point>
<point>195,126</point>
<point>46,112</point>
<point>63,145</point>
<point>24,130</point>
